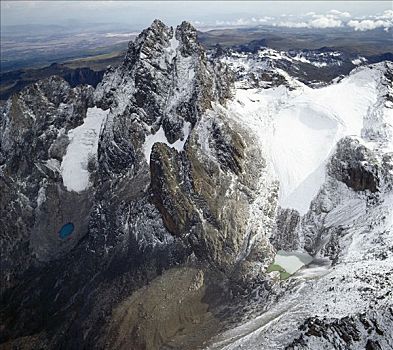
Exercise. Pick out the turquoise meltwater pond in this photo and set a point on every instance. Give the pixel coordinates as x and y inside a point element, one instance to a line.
<point>66,230</point>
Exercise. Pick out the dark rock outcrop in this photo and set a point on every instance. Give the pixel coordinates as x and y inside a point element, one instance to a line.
<point>362,331</point>
<point>355,165</point>
<point>285,236</point>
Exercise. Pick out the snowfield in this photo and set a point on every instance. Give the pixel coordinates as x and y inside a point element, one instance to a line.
<point>298,132</point>
<point>82,147</point>
<point>299,129</point>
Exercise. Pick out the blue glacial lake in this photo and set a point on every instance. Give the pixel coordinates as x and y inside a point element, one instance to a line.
<point>66,230</point>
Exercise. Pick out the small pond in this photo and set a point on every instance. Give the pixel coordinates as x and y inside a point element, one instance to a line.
<point>287,263</point>
<point>66,230</point>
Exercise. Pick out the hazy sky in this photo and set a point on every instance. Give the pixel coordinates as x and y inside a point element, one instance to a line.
<point>139,14</point>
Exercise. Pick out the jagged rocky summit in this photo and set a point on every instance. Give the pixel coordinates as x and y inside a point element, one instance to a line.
<point>144,214</point>
<point>105,190</point>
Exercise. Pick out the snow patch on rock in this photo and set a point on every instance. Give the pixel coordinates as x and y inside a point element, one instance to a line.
<point>174,44</point>
<point>82,147</point>
<point>160,136</point>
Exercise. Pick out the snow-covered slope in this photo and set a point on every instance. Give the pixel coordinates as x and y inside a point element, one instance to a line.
<point>336,302</point>
<point>258,66</point>
<point>299,128</point>
<point>331,151</point>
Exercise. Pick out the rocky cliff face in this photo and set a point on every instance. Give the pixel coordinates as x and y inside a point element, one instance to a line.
<point>112,187</point>
<point>34,202</point>
<point>159,126</point>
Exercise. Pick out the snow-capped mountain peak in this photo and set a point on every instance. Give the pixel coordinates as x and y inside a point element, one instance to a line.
<point>200,200</point>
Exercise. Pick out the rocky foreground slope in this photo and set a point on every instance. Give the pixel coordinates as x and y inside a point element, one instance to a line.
<point>144,214</point>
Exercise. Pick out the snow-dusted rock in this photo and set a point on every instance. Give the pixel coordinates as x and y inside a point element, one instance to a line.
<point>168,165</point>
<point>152,175</point>
<point>342,300</point>
<point>34,203</point>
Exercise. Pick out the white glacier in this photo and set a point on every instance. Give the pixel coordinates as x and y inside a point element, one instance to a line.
<point>298,129</point>
<point>82,147</point>
<point>171,50</point>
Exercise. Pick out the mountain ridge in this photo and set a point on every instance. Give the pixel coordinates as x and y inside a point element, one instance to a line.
<point>181,200</point>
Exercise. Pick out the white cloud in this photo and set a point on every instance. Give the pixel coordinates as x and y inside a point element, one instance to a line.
<point>237,22</point>
<point>385,20</point>
<point>241,22</point>
<point>325,22</point>
<point>331,19</point>
<point>245,21</point>
<point>317,21</point>
<point>369,24</point>
<point>336,19</point>
<point>388,14</point>
<point>339,14</point>
<point>293,24</point>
